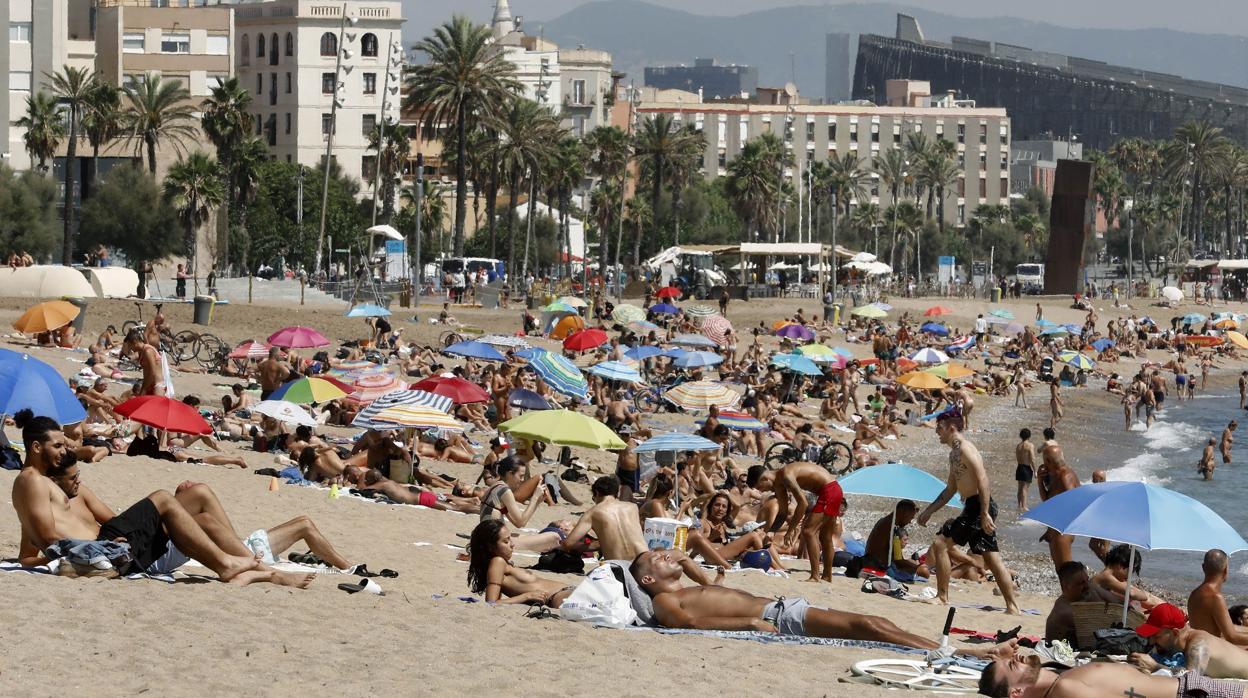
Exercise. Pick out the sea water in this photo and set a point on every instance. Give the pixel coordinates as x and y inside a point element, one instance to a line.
<point>1166,455</point>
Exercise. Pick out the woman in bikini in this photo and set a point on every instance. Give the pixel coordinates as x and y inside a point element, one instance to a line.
<point>491,572</point>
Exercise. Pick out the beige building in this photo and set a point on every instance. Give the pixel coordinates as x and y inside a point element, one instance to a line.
<point>286,56</point>
<point>44,36</point>
<point>815,133</point>
<point>178,40</point>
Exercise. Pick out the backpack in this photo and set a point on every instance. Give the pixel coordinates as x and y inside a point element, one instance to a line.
<point>600,600</point>
<point>1119,641</point>
<point>560,562</point>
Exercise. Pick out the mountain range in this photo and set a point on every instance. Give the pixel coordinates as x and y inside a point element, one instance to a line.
<point>788,43</point>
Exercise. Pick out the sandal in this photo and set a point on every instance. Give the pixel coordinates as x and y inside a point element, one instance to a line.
<point>362,570</point>
<point>365,584</point>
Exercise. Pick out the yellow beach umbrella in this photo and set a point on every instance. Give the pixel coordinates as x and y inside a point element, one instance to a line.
<point>869,311</point>
<point>45,317</point>
<point>1238,339</point>
<point>921,380</point>
<point>950,371</point>
<point>562,428</point>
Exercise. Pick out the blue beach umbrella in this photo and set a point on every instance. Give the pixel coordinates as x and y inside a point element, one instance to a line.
<point>896,481</point>
<point>561,375</point>
<point>527,400</point>
<point>473,349</point>
<point>531,353</point>
<point>673,352</point>
<point>1077,360</point>
<point>1102,344</point>
<point>368,310</point>
<point>1193,319</point>
<point>694,340</point>
<point>643,352</point>
<point>1056,331</point>
<point>664,308</point>
<point>796,363</point>
<point>675,441</point>
<point>614,370</point>
<point>1141,515</point>
<point>1073,328</point>
<point>1042,323</point>
<point>27,382</point>
<point>693,359</point>
<point>935,328</point>
<point>1002,313</point>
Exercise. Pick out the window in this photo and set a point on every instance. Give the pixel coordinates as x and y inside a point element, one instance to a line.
<point>218,45</point>
<point>961,159</point>
<point>875,133</point>
<point>983,160</point>
<point>327,83</point>
<point>259,125</point>
<point>290,44</point>
<point>260,46</point>
<point>327,124</point>
<point>259,83</point>
<point>1005,134</point>
<point>369,123</point>
<point>329,44</point>
<point>983,188</point>
<point>1005,159</point>
<point>287,83</point>
<point>810,132</point>
<point>961,214</point>
<point>19,80</point>
<point>853,133</point>
<point>175,42</point>
<point>20,31</point>
<point>245,50</point>
<point>368,45</point>
<point>983,134</point>
<point>270,127</point>
<point>288,123</point>
<point>273,89</point>
<point>368,167</point>
<point>1005,188</point>
<point>370,83</point>
<point>961,133</point>
<point>273,49</point>
<point>961,187</point>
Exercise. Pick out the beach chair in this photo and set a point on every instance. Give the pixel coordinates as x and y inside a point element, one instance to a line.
<point>1091,616</point>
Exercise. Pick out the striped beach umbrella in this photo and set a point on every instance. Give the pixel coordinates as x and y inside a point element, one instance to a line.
<point>559,307</point>
<point>716,328</point>
<point>416,417</point>
<point>698,359</point>
<point>740,421</point>
<point>625,313</point>
<point>1077,360</point>
<point>614,370</point>
<point>698,313</point>
<point>367,417</point>
<point>561,375</point>
<point>694,340</point>
<point>505,341</point>
<point>573,301</point>
<point>929,356</point>
<point>250,349</point>
<point>675,441</point>
<point>702,395</point>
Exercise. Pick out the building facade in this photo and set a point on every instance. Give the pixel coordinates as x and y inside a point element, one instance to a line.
<point>585,80</point>
<point>713,81</point>
<point>189,42</point>
<point>1034,163</point>
<point>816,133</point>
<point>44,36</point>
<point>286,55</point>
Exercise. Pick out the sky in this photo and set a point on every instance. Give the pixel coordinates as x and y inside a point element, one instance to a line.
<point>1212,16</point>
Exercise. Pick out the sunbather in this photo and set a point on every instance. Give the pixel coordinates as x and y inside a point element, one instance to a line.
<point>490,570</point>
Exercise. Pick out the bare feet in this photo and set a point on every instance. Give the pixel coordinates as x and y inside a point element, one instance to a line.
<point>298,580</point>
<point>1012,609</point>
<point>235,566</point>
<point>813,579</point>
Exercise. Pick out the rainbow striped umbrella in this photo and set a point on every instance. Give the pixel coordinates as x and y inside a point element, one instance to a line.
<point>302,391</point>
<point>367,417</point>
<point>416,417</point>
<point>702,395</point>
<point>716,328</point>
<point>1074,358</point>
<point>561,375</point>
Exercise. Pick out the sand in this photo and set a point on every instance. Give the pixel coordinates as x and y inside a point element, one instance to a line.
<point>107,637</point>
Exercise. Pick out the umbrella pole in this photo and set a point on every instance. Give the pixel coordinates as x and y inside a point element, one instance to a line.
<point>892,526</point>
<point>1126,598</point>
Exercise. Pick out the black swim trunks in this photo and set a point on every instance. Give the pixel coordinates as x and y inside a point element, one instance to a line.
<point>630,478</point>
<point>1024,473</point>
<point>143,529</point>
<point>965,529</point>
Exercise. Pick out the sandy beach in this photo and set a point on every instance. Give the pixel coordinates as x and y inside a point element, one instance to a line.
<point>108,637</point>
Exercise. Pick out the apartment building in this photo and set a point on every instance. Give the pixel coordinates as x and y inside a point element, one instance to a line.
<point>190,42</point>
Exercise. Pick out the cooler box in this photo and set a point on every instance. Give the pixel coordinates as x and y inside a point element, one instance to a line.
<point>667,534</point>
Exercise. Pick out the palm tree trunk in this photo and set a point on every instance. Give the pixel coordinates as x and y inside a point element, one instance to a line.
<point>151,153</point>
<point>676,190</point>
<point>461,180</point>
<point>655,190</point>
<point>940,209</point>
<point>491,213</point>
<point>231,182</point>
<point>619,235</point>
<point>564,203</point>
<point>476,205</point>
<point>513,196</point>
<point>524,272</point>
<point>95,167</point>
<point>71,160</point>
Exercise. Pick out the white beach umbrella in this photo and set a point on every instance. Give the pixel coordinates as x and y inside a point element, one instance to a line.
<point>286,412</point>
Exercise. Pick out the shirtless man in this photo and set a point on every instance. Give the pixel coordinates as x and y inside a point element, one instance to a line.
<point>1098,546</point>
<point>1073,577</point>
<point>272,373</point>
<point>1021,676</point>
<point>1206,465</point>
<point>1025,472</point>
<point>1243,389</point>
<point>153,528</point>
<point>1207,606</point>
<point>713,607</point>
<point>151,333</point>
<point>616,524</point>
<point>372,480</point>
<point>1228,438</point>
<point>148,359</point>
<point>820,527</point>
<point>628,469</point>
<point>1055,477</point>
<point>975,527</point>
<point>884,544</point>
<point>1206,654</point>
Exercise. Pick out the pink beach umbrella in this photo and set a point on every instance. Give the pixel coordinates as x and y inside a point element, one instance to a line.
<point>298,337</point>
<point>250,349</point>
<point>716,328</point>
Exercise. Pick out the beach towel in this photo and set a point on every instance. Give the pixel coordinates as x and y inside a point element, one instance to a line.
<point>53,568</point>
<point>778,639</point>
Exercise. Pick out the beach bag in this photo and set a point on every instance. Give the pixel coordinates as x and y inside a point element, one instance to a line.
<point>1119,641</point>
<point>600,600</point>
<point>560,562</point>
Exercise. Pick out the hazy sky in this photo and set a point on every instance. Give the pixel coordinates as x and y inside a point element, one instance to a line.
<point>1214,16</point>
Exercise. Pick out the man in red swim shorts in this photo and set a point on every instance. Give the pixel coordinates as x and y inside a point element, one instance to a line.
<point>820,527</point>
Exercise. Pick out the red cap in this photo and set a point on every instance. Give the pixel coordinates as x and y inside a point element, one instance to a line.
<point>1163,617</point>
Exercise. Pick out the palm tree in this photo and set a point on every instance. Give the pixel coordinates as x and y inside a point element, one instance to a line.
<point>917,149</point>
<point>523,131</point>
<point>685,163</point>
<point>249,155</point>
<point>941,173</point>
<point>658,142</point>
<point>819,177</point>
<point>72,88</point>
<point>390,158</point>
<point>1198,151</point>
<point>159,110</point>
<point>569,157</point>
<point>102,121</point>
<point>609,154</point>
<point>44,128</point>
<point>1029,226</point>
<point>908,220</point>
<point>226,123</point>
<point>867,219</point>
<point>893,169</point>
<point>753,184</point>
<point>637,215</point>
<point>464,74</point>
<point>193,187</point>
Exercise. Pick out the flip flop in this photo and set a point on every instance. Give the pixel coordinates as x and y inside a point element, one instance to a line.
<point>365,584</point>
<point>362,570</point>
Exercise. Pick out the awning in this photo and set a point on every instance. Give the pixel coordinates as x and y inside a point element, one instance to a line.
<point>1232,264</point>
<point>1201,263</point>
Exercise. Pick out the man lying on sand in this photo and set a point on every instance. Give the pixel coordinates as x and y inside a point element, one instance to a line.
<point>1205,654</point>
<point>713,607</point>
<point>155,528</point>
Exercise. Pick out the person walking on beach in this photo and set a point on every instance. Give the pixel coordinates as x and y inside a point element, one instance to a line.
<point>1228,438</point>
<point>1205,466</point>
<point>975,527</point>
<point>1243,389</point>
<point>1024,473</point>
<point>1039,313</point>
<point>1020,385</point>
<point>1055,402</point>
<point>1054,478</point>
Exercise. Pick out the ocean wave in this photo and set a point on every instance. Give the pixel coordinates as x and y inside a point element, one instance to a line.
<point>1141,468</point>
<point>1175,436</point>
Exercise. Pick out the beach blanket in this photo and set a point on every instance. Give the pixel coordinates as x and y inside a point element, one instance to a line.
<point>53,568</point>
<point>778,639</point>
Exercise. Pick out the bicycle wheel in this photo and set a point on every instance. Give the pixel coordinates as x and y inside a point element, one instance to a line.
<point>209,350</point>
<point>647,401</point>
<point>837,458</point>
<point>130,325</point>
<point>448,338</point>
<point>184,346</point>
<point>781,454</point>
<point>917,675</point>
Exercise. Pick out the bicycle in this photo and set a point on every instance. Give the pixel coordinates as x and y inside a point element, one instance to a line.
<point>830,455</point>
<point>456,336</point>
<point>168,342</point>
<point>196,346</point>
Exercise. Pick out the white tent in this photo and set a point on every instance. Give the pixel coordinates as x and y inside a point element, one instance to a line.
<point>45,281</point>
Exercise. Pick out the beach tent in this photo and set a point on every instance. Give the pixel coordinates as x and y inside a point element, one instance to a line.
<point>112,282</point>
<point>567,326</point>
<point>45,281</point>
